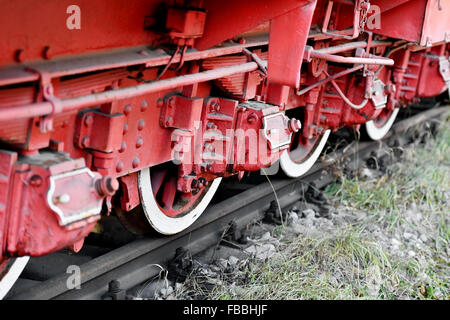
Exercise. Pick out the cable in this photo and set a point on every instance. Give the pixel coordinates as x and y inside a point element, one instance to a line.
<point>339,91</point>
<point>167,65</point>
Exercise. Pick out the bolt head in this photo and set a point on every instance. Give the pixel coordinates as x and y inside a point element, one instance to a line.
<point>119,166</point>
<point>295,125</point>
<point>85,142</point>
<point>127,109</point>
<point>171,102</point>
<point>139,142</point>
<point>144,105</point>
<point>36,180</point>
<point>64,198</point>
<point>141,124</point>
<point>169,121</point>
<point>135,162</point>
<point>123,147</point>
<point>88,120</point>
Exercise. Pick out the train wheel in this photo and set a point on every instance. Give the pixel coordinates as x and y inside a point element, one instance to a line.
<point>301,157</point>
<point>167,210</point>
<point>378,128</point>
<point>10,270</point>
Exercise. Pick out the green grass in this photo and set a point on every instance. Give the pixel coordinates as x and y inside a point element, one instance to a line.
<point>357,260</point>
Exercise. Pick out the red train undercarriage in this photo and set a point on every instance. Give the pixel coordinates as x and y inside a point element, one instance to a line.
<point>139,108</point>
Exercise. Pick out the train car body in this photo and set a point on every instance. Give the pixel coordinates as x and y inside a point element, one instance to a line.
<point>139,108</point>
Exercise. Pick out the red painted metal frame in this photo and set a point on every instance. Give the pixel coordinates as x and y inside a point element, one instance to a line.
<point>284,63</point>
<point>96,87</point>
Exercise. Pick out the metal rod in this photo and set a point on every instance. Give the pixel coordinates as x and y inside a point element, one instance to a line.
<point>351,60</point>
<point>352,46</point>
<point>45,108</point>
<point>333,77</point>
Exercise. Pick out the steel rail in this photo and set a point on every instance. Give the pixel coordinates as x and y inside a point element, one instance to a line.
<point>132,263</point>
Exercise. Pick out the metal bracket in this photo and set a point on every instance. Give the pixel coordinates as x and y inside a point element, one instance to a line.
<point>68,214</point>
<point>377,94</point>
<point>274,127</point>
<point>47,94</point>
<point>361,6</point>
<point>180,112</point>
<point>97,130</point>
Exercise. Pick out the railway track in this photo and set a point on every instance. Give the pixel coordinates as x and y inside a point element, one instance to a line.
<point>133,263</point>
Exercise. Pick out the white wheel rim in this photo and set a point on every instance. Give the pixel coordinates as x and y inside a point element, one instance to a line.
<point>378,133</point>
<point>12,275</point>
<point>156,217</point>
<point>296,169</point>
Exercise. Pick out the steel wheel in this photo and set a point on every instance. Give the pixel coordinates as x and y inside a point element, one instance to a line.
<point>167,210</point>
<point>378,128</point>
<point>301,157</point>
<point>10,270</point>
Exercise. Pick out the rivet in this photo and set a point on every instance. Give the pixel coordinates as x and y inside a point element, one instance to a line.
<point>125,128</point>
<point>127,109</point>
<point>88,120</point>
<point>85,142</point>
<point>252,118</point>
<point>159,103</point>
<point>139,142</point>
<point>144,105</point>
<point>171,102</point>
<point>123,147</point>
<point>36,180</point>
<point>135,162</point>
<point>119,166</point>
<point>141,124</point>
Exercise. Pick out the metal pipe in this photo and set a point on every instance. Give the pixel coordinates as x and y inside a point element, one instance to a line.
<point>351,60</point>
<point>45,108</point>
<point>352,46</point>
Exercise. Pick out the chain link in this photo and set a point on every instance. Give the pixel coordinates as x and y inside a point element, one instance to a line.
<point>365,6</point>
